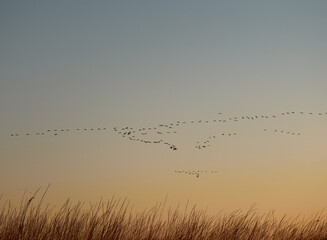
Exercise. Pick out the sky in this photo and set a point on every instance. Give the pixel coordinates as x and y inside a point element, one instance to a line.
<point>137,64</point>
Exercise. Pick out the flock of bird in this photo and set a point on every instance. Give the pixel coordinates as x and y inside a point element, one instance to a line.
<point>140,134</point>
<point>194,172</point>
<point>156,134</point>
<point>131,134</point>
<point>284,131</point>
<point>205,143</point>
<point>56,132</point>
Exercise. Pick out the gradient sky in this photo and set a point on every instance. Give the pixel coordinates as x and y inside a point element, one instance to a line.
<point>84,64</point>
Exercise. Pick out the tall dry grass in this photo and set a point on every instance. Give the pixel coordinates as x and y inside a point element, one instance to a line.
<point>116,220</point>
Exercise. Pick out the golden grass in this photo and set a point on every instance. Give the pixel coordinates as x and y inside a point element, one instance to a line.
<point>116,220</point>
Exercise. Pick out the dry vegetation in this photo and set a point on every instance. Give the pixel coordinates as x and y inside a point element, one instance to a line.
<point>115,220</point>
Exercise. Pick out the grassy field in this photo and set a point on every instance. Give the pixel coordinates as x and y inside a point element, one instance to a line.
<point>115,220</point>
